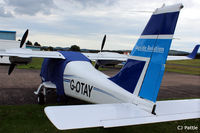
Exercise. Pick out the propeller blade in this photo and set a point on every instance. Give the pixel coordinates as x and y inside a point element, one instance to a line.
<point>96,65</point>
<point>11,68</point>
<point>24,38</point>
<point>103,42</point>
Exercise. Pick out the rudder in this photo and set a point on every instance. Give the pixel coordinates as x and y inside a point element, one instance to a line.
<point>142,74</point>
<point>154,43</point>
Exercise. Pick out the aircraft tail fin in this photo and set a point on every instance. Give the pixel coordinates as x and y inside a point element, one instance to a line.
<point>194,52</point>
<point>142,74</point>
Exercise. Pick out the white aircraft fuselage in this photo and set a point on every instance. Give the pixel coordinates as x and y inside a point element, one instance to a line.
<point>88,84</point>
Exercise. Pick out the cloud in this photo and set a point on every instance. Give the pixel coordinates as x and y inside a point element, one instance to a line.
<point>93,3</point>
<point>62,21</point>
<point>31,7</point>
<point>4,13</point>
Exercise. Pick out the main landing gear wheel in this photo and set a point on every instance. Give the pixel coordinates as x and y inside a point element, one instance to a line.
<point>41,99</point>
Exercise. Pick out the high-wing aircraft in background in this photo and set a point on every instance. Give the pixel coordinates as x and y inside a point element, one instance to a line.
<point>129,97</point>
<point>192,55</point>
<point>116,58</point>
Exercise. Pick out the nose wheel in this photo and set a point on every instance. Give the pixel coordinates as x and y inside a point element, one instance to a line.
<point>43,89</point>
<point>41,99</point>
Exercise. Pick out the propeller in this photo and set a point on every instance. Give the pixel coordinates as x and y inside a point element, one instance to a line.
<point>11,68</point>
<point>103,43</point>
<point>13,64</point>
<point>97,63</point>
<point>24,38</point>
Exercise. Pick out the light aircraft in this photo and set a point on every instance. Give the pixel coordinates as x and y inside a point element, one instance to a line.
<point>122,59</point>
<point>129,97</point>
<point>107,62</point>
<point>192,55</point>
<point>116,58</point>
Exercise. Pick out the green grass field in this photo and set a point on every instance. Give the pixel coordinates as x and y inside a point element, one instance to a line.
<point>193,63</point>
<point>31,119</point>
<point>184,66</point>
<point>36,63</point>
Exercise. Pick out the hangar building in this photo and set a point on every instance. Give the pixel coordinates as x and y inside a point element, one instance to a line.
<point>5,37</point>
<point>8,35</point>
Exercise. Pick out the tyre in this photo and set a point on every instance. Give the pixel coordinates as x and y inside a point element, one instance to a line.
<point>41,99</point>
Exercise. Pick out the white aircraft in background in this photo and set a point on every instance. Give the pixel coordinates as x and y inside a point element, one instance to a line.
<point>101,61</point>
<point>116,58</point>
<point>129,97</point>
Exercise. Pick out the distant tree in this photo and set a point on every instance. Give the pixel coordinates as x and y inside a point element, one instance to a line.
<point>50,48</point>
<point>74,48</point>
<point>29,43</point>
<point>37,44</point>
<point>44,48</point>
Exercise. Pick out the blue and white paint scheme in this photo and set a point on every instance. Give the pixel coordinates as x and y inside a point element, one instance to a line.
<point>129,97</point>
<point>154,44</point>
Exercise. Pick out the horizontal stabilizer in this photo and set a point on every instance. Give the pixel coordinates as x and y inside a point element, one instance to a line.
<point>114,115</point>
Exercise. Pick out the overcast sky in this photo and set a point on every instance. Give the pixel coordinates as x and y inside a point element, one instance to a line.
<point>84,22</point>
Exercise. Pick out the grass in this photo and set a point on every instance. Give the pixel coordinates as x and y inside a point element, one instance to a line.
<point>194,62</point>
<point>184,66</point>
<point>183,69</point>
<point>31,119</point>
<point>36,63</point>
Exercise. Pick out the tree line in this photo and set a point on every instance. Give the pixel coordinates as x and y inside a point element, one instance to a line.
<point>50,48</point>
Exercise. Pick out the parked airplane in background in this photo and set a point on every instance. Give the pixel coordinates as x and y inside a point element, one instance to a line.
<point>109,62</point>
<point>116,58</point>
<point>129,97</point>
<point>192,55</point>
<point>121,59</point>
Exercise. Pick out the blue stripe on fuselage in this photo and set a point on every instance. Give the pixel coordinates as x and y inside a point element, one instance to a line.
<point>104,92</point>
<point>66,80</point>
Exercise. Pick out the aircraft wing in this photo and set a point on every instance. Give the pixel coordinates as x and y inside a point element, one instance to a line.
<point>122,57</point>
<point>178,58</point>
<point>13,50</point>
<point>125,114</point>
<point>106,56</point>
<point>27,53</point>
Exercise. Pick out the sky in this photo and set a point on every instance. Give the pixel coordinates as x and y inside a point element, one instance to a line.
<point>84,22</point>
